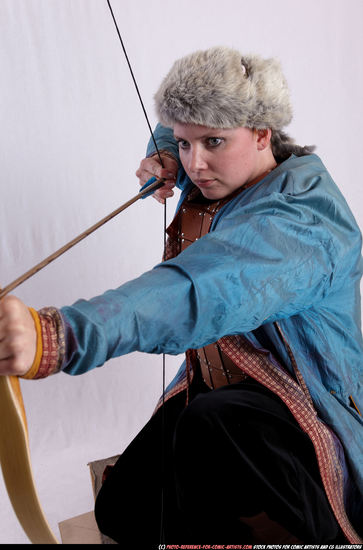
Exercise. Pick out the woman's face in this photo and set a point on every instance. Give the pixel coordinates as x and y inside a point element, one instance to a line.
<point>219,161</point>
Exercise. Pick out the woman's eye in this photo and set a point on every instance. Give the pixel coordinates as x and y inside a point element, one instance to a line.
<point>214,141</point>
<point>183,144</point>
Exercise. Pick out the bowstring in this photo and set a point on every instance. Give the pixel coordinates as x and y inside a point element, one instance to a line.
<point>162,534</point>
<point>135,83</point>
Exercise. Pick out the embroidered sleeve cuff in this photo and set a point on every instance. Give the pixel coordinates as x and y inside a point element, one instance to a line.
<point>50,343</point>
<point>38,354</point>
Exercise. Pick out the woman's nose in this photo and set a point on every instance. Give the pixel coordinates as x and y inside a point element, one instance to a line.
<point>197,160</point>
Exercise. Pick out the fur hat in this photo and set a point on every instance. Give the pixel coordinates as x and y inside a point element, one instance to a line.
<point>219,88</point>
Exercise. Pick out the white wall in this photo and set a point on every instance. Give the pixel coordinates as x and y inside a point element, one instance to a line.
<point>72,134</point>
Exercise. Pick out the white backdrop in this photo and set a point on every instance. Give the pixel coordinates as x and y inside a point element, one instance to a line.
<point>72,135</point>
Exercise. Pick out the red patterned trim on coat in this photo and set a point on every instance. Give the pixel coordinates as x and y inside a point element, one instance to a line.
<point>296,396</point>
<point>257,365</point>
<point>181,385</point>
<point>53,338</point>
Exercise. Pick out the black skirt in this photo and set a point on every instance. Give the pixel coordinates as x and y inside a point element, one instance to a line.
<point>195,470</point>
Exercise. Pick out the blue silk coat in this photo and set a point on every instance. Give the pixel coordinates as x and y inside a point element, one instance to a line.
<point>287,249</point>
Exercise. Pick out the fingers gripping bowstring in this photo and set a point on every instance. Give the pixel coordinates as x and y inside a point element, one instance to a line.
<point>161,162</point>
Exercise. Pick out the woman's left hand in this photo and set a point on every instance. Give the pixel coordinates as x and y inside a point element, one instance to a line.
<point>18,337</point>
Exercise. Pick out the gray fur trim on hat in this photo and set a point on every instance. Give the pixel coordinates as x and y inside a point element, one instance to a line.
<point>220,88</point>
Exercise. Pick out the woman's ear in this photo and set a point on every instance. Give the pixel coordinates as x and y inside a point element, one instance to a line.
<point>263,138</point>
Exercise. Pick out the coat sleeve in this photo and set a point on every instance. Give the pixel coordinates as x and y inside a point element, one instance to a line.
<point>164,138</point>
<point>261,262</point>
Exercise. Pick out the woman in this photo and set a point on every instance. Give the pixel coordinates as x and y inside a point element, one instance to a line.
<point>259,437</point>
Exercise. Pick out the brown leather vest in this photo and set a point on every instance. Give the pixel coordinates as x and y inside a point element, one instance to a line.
<point>192,221</point>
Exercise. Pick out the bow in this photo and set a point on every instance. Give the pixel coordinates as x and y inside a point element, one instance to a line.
<point>16,464</point>
<point>14,441</point>
<point>15,458</point>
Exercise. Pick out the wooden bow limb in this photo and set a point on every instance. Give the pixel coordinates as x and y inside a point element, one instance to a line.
<point>16,464</point>
<point>14,443</point>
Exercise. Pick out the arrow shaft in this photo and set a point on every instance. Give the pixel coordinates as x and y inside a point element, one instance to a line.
<point>76,240</point>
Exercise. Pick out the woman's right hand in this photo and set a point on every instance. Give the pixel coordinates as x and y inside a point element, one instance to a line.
<point>151,167</point>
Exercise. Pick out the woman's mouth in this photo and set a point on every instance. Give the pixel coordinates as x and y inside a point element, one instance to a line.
<point>204,183</point>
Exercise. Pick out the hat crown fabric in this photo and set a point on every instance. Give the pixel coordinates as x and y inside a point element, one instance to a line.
<point>220,88</point>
